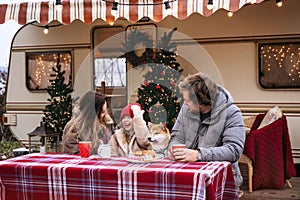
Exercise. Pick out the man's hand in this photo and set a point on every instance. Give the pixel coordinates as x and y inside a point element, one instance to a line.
<point>185,155</point>
<point>170,154</point>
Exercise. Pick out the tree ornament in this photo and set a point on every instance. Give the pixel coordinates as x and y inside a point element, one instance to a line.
<point>146,83</point>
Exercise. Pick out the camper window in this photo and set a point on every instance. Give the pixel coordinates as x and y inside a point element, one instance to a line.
<point>109,66</point>
<point>279,65</point>
<point>110,70</point>
<point>39,68</point>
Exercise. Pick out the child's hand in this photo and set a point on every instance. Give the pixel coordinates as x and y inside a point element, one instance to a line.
<point>137,112</point>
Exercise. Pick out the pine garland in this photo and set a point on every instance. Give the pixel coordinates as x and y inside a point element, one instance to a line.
<point>137,37</point>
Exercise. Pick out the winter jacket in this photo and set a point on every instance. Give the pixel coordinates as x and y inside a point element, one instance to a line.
<point>221,136</point>
<point>123,145</point>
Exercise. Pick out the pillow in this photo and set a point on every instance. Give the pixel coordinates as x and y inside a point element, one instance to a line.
<point>248,121</point>
<point>272,115</point>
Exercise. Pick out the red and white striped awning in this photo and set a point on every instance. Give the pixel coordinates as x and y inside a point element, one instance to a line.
<point>44,12</point>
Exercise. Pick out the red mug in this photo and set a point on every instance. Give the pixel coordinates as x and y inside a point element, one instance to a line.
<point>85,148</point>
<point>177,146</point>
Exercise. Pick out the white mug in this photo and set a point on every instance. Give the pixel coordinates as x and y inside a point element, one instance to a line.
<point>42,149</point>
<point>104,150</point>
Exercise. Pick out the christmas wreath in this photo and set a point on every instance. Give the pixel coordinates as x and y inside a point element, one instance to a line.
<point>137,48</point>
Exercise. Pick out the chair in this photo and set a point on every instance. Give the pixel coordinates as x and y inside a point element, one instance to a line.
<point>248,122</point>
<point>267,152</point>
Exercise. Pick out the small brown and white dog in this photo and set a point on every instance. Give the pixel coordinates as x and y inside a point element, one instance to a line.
<point>159,136</point>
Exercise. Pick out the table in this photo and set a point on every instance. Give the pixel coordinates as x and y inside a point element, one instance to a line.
<point>61,176</point>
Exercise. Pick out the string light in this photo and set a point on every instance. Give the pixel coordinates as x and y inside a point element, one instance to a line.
<point>210,5</point>
<point>114,8</point>
<point>115,4</point>
<point>168,8</point>
<point>58,5</point>
<point>230,14</point>
<point>278,3</point>
<point>46,30</point>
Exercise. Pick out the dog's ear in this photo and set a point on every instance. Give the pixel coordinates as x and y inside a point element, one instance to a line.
<point>165,129</point>
<point>150,124</point>
<point>162,125</point>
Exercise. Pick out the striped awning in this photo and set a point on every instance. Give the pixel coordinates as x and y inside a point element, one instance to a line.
<point>44,12</point>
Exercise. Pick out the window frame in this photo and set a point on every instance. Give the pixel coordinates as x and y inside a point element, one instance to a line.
<point>41,52</point>
<point>260,68</point>
<point>94,44</point>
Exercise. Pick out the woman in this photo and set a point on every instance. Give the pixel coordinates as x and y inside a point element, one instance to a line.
<point>87,124</point>
<point>132,136</point>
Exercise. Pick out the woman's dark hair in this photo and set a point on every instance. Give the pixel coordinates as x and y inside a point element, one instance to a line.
<point>92,104</point>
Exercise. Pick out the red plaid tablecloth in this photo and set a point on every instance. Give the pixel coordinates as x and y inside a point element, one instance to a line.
<point>61,177</point>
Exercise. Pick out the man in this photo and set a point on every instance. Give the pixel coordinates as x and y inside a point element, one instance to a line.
<point>209,124</point>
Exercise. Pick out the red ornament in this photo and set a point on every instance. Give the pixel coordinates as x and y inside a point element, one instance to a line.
<point>163,73</point>
<point>146,83</point>
<point>157,86</point>
<point>153,55</point>
<point>149,111</point>
<point>172,83</point>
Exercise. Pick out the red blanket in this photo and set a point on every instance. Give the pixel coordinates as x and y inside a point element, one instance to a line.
<point>269,148</point>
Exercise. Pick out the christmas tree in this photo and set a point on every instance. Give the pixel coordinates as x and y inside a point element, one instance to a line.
<point>59,111</point>
<point>158,95</point>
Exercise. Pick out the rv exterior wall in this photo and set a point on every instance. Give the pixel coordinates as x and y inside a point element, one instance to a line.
<point>230,44</point>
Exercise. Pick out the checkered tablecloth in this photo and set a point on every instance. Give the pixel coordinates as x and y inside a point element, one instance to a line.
<point>62,177</point>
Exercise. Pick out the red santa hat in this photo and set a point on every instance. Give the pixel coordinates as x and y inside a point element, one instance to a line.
<point>127,110</point>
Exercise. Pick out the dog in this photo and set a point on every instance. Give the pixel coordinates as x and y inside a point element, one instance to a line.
<point>159,136</point>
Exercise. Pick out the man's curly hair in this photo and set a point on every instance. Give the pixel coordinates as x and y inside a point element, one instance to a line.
<point>202,89</point>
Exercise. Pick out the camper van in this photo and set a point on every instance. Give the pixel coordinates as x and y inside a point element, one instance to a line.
<point>236,51</point>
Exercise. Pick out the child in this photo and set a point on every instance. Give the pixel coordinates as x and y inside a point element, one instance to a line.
<point>133,135</point>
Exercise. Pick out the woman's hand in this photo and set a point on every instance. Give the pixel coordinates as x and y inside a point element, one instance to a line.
<point>185,155</point>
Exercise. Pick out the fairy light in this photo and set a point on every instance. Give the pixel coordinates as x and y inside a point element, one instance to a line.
<point>285,57</point>
<point>44,64</point>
